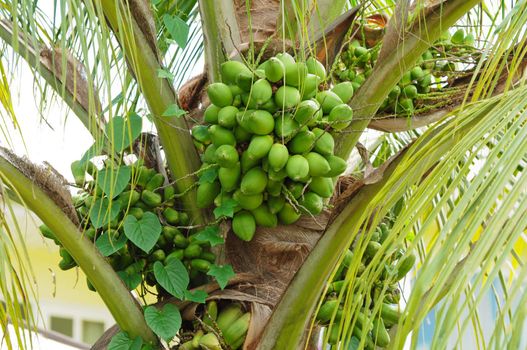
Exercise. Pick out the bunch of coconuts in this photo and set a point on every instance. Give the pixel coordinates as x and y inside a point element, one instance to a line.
<point>375,328</point>
<point>145,196</point>
<point>428,75</point>
<point>268,135</point>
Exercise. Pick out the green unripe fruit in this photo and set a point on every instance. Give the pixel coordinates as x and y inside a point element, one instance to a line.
<point>469,39</point>
<point>171,216</point>
<point>227,117</point>
<point>360,51</point>
<point>288,215</point>
<point>316,67</point>
<point>270,106</point>
<point>410,91</point>
<point>260,122</point>
<point>222,197</point>
<point>219,94</point>
<point>170,232</point>
<point>278,156</point>
<point>200,265</point>
<point>209,256</point>
<point>128,198</point>
<point>206,194</point>
<point>180,241</point>
<point>337,166</point>
<point>405,266</point>
<point>226,156</point>
<point>248,202</point>
<point>241,134</point>
<point>245,80</point>
<point>261,91</point>
<point>389,315</point>
<point>416,73</point>
<point>157,255</point>
<point>303,142</point>
<point>221,136</point>
<point>151,199</point>
<point>458,37</point>
<point>355,85</point>
<point>211,114</point>
<point>310,86</point>
<point>344,91</point>
<point>318,165</point>
<point>201,134</point>
<point>340,116</point>
<point>231,69</point>
<point>263,216</point>
<point>380,335</point>
<point>295,189</point>
<point>242,118</point>
<point>395,92</point>
<point>236,92</point>
<point>249,101</point>
<point>323,186</point>
<point>297,167</point>
<point>328,100</point>
<point>209,156</point>
<point>405,106</point>
<point>260,146</point>
<point>178,254</point>
<point>275,203</point>
<point>308,111</point>
<point>327,310</point>
<point>155,182</point>
<point>274,70</point>
<point>426,80</point>
<point>324,142</point>
<point>372,248</point>
<point>254,181</point>
<point>274,187</point>
<point>169,193</point>
<point>295,75</point>
<point>312,202</point>
<point>244,225</point>
<point>287,97</point>
<point>229,177</point>
<point>247,162</point>
<point>193,250</point>
<point>287,60</point>
<point>277,175</point>
<point>285,126</point>
<point>79,172</point>
<point>406,79</point>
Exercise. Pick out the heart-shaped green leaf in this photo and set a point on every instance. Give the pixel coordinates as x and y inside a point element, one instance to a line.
<point>165,322</point>
<point>101,213</point>
<point>222,274</point>
<point>143,233</point>
<point>122,132</point>
<point>177,28</point>
<point>210,234</point>
<point>121,341</point>
<point>113,181</point>
<point>108,244</point>
<point>130,280</point>
<point>197,296</point>
<point>173,277</point>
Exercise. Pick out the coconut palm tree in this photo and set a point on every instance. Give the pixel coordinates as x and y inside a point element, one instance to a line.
<point>448,175</point>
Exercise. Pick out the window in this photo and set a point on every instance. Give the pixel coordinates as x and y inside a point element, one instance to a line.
<point>63,325</point>
<point>91,331</point>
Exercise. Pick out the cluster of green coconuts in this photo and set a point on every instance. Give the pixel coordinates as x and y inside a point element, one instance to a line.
<point>357,61</point>
<point>398,264</point>
<point>268,133</point>
<point>221,326</point>
<point>147,195</point>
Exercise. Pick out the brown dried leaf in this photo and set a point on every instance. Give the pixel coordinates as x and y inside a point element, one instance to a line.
<point>47,179</point>
<point>73,76</point>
